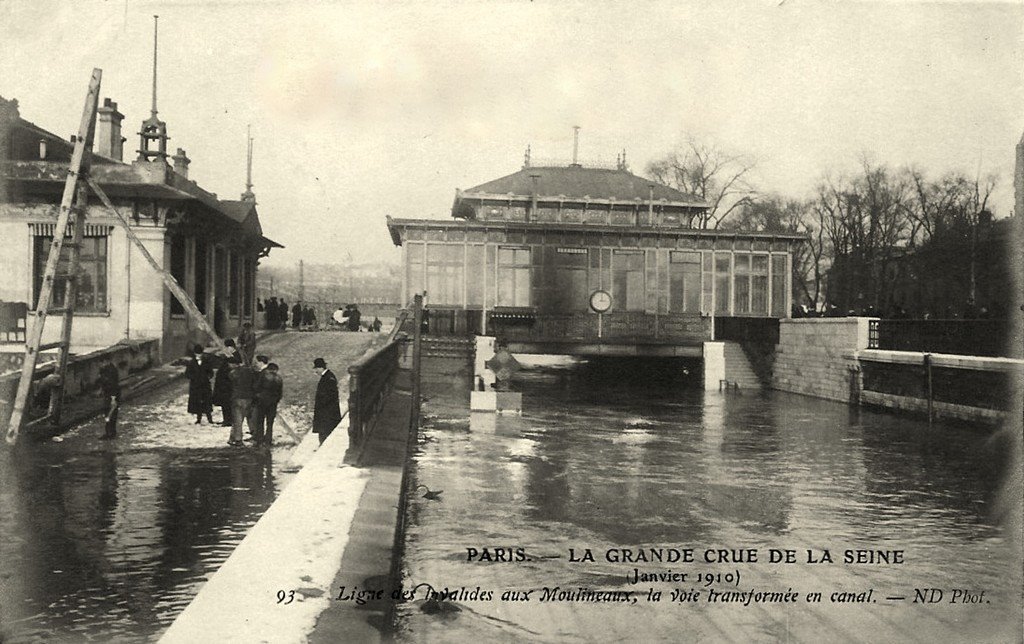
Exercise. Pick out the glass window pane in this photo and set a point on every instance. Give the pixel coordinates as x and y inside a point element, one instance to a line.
<point>760,264</point>
<point>779,284</point>
<point>742,301</point>
<point>759,295</point>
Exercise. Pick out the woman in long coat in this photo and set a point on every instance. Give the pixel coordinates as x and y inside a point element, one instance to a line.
<point>200,395</point>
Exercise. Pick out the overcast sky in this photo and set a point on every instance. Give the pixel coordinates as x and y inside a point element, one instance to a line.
<point>360,110</point>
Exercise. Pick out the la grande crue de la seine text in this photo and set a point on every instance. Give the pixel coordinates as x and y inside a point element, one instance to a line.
<point>516,554</point>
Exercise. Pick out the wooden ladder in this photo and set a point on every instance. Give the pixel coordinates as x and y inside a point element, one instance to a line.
<point>75,201</point>
<point>73,205</point>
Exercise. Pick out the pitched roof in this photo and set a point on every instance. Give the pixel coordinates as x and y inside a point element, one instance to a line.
<point>576,182</point>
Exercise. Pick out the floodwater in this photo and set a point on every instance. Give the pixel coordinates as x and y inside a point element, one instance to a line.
<point>611,459</point>
<point>110,540</point>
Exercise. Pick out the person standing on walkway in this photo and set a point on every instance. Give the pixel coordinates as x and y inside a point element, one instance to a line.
<point>247,343</point>
<point>243,381</point>
<point>326,406</point>
<point>269,388</point>
<point>110,386</point>
<point>222,381</point>
<point>296,316</point>
<point>282,314</point>
<point>200,395</point>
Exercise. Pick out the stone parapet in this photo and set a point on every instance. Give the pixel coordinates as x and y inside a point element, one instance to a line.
<point>818,356</point>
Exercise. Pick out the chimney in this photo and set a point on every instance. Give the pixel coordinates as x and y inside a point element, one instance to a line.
<point>109,142</point>
<point>575,146</point>
<point>181,162</point>
<point>532,215</point>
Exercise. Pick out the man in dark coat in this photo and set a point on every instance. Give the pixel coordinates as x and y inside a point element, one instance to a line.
<point>110,386</point>
<point>243,382</point>
<point>222,381</point>
<point>268,389</point>
<point>282,314</point>
<point>270,314</point>
<point>200,395</point>
<point>247,343</point>
<point>326,406</point>
<point>296,315</point>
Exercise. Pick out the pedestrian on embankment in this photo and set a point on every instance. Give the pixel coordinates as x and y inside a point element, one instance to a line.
<point>200,395</point>
<point>269,388</point>
<point>243,387</point>
<point>247,343</point>
<point>222,381</point>
<point>110,386</point>
<point>326,405</point>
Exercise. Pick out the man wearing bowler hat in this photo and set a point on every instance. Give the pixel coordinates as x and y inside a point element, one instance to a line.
<point>326,408</point>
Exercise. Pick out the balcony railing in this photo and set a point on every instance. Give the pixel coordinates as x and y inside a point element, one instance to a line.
<point>627,327</point>
<point>959,337</point>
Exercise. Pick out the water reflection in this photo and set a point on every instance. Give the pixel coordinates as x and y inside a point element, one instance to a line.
<point>603,462</point>
<point>101,542</point>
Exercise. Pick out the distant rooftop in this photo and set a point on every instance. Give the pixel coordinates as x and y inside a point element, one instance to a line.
<point>577,183</point>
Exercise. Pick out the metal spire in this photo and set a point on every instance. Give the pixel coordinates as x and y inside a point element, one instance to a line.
<point>248,160</point>
<point>155,19</point>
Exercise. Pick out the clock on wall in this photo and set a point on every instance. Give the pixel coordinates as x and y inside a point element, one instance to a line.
<point>600,301</point>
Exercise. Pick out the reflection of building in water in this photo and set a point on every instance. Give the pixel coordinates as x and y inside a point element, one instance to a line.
<point>532,257</point>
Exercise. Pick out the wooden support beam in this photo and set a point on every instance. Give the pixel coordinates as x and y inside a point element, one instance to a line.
<point>171,283</point>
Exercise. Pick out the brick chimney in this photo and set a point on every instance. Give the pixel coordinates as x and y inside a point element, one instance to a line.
<point>181,162</point>
<point>8,114</point>
<point>109,141</point>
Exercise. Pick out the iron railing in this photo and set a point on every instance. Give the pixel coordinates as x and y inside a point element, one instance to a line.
<point>959,337</point>
<point>635,327</point>
<point>370,380</point>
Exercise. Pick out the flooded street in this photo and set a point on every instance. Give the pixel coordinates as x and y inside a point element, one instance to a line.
<point>596,462</point>
<point>110,540</point>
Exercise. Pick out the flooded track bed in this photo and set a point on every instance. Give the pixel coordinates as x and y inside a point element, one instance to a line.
<point>110,540</point>
<point>598,462</point>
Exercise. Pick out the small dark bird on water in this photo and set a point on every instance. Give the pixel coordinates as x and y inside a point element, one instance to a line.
<point>430,494</point>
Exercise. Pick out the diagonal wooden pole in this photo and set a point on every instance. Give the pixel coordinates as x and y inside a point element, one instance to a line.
<point>171,283</point>
<point>34,337</point>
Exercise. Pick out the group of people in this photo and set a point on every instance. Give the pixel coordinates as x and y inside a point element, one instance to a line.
<point>246,388</point>
<point>349,319</point>
<point>276,314</point>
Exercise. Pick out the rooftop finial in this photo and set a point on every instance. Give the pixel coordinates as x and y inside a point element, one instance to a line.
<point>153,136</point>
<point>526,157</point>
<point>575,145</point>
<point>155,19</point>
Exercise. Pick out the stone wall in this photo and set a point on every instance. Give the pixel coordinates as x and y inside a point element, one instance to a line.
<point>83,370</point>
<point>816,356</point>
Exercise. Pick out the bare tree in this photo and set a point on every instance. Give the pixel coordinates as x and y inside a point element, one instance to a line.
<point>706,171</point>
<point>774,213</point>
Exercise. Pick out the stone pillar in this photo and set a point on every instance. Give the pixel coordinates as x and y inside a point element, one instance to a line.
<point>484,352</point>
<point>714,365</point>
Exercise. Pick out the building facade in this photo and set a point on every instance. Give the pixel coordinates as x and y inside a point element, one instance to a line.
<point>589,260</point>
<point>211,246</point>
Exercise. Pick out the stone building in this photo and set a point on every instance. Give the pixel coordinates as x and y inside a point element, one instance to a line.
<point>212,246</point>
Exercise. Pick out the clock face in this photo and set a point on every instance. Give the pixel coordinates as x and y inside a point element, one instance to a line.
<point>600,301</point>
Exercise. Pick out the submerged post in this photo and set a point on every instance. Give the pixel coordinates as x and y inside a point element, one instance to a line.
<point>928,372</point>
<point>417,343</point>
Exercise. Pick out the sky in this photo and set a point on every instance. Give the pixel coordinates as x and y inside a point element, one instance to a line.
<point>365,109</point>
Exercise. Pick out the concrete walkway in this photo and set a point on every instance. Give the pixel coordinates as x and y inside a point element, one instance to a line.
<point>366,563</point>
<point>333,526</point>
